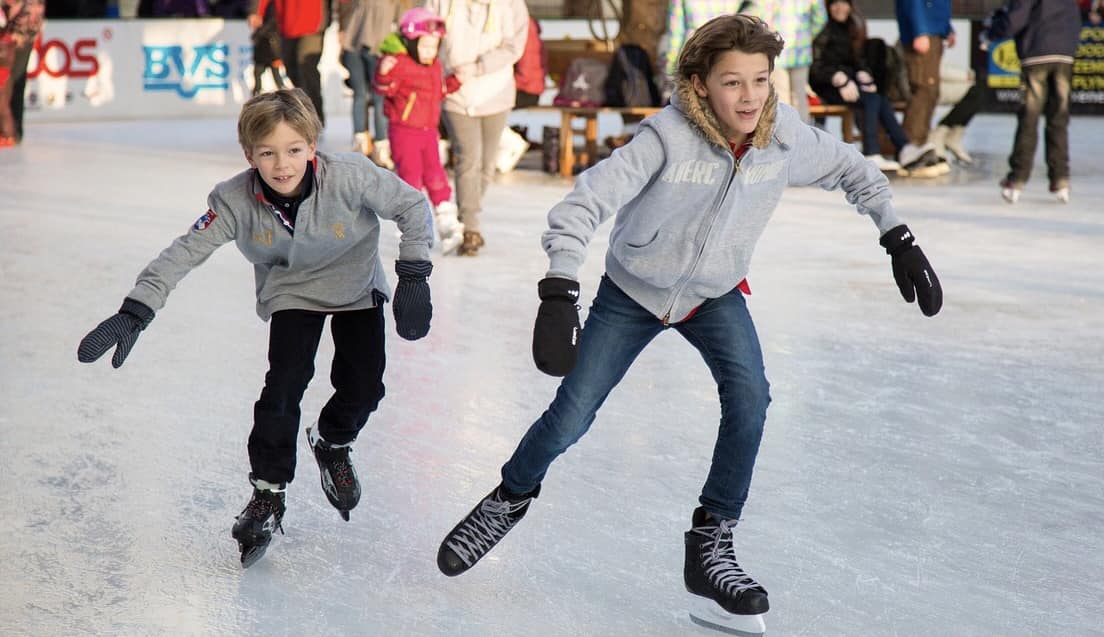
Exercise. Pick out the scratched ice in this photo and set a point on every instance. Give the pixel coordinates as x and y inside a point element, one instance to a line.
<point>917,477</point>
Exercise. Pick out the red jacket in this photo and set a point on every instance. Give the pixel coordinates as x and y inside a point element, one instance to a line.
<point>529,71</point>
<point>413,92</point>
<point>296,18</point>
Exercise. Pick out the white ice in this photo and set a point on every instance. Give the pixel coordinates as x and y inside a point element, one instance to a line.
<point>918,476</point>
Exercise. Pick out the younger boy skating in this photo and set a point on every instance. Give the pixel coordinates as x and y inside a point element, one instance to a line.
<point>331,205</point>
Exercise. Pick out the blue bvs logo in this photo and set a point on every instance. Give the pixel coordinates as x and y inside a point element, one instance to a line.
<point>186,70</point>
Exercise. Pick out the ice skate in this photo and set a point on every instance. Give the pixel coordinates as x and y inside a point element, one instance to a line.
<point>363,144</point>
<point>339,478</point>
<point>725,597</point>
<point>449,228</point>
<point>1061,191</point>
<point>482,529</point>
<point>381,154</point>
<point>1010,190</point>
<point>261,517</point>
<point>883,164</point>
<point>954,145</point>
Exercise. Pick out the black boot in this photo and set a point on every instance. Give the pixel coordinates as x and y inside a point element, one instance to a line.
<point>482,529</point>
<point>256,523</point>
<point>711,570</point>
<point>339,478</point>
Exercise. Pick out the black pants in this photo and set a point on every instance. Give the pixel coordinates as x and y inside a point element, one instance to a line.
<point>965,109</point>
<point>301,57</point>
<point>19,87</point>
<point>356,375</point>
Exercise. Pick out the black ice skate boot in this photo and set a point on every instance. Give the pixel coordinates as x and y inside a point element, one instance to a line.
<point>260,518</point>
<point>484,527</point>
<point>339,478</point>
<point>726,597</point>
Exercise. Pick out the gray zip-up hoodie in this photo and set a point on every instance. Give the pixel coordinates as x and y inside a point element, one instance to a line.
<point>330,264</point>
<point>688,214</point>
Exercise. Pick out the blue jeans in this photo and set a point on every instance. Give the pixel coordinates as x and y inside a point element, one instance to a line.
<point>362,70</point>
<point>616,331</point>
<point>876,110</point>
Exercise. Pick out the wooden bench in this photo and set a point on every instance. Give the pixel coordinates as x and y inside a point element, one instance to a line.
<point>847,117</point>
<point>569,115</point>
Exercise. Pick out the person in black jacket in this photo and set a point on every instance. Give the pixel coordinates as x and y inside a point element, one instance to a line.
<point>840,75</point>
<point>1046,35</point>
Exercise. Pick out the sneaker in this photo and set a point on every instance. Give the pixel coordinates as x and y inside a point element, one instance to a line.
<point>1010,190</point>
<point>339,478</point>
<point>482,529</point>
<point>711,570</point>
<point>473,241</point>
<point>883,164</point>
<point>261,517</point>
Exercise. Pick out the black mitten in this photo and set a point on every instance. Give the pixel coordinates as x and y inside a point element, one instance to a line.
<point>914,275</point>
<point>119,331</point>
<point>412,306</point>
<point>556,333</point>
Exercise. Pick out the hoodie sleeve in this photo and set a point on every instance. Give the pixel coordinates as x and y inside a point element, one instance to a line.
<point>187,252</point>
<point>391,198</point>
<point>599,193</point>
<point>829,163</point>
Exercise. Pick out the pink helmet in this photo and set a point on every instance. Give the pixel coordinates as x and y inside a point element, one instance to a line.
<point>421,21</point>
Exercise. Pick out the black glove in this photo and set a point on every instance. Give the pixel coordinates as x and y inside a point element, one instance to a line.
<point>914,275</point>
<point>556,333</point>
<point>120,330</point>
<point>412,306</point>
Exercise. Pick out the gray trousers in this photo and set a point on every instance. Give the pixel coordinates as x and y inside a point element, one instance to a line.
<point>474,140</point>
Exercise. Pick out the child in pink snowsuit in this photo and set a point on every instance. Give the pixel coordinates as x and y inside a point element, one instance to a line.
<point>414,86</point>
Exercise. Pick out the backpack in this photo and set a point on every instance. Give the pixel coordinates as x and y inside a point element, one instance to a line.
<point>630,81</point>
<point>583,83</point>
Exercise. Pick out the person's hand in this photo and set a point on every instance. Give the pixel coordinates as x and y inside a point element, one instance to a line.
<point>921,44</point>
<point>412,307</point>
<point>119,331</point>
<point>950,40</point>
<point>914,275</point>
<point>387,63</point>
<point>465,72</point>
<point>849,92</point>
<point>866,82</point>
<point>839,78</point>
<point>556,332</point>
<point>254,21</point>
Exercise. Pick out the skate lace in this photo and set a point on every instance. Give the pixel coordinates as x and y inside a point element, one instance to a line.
<point>487,525</point>
<point>337,462</point>
<point>260,508</point>
<point>719,560</point>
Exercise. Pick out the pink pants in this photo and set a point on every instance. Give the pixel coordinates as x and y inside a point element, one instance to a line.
<point>418,160</point>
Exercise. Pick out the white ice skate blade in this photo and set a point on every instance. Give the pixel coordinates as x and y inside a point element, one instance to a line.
<point>706,612</point>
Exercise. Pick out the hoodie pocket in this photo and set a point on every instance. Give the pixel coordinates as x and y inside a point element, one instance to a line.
<point>654,260</point>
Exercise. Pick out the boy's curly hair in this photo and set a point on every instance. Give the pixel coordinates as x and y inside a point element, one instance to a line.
<point>722,34</point>
<point>260,115</point>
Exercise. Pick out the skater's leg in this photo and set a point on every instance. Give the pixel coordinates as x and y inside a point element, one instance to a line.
<point>356,374</point>
<point>617,329</point>
<point>723,332</point>
<point>293,342</point>
<point>433,173</point>
<point>407,155</point>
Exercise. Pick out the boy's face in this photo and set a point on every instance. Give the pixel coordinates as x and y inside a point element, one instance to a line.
<point>281,159</point>
<point>427,48</point>
<point>737,88</point>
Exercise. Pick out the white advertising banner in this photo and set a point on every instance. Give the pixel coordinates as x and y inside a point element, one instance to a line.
<point>122,69</point>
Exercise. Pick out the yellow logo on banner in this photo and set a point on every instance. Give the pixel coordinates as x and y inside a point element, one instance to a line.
<point>1004,56</point>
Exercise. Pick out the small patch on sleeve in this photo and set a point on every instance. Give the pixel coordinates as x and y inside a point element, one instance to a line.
<point>206,220</point>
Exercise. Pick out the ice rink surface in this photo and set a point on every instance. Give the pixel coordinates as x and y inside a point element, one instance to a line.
<point>917,476</point>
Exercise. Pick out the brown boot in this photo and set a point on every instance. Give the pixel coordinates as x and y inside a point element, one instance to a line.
<point>472,242</point>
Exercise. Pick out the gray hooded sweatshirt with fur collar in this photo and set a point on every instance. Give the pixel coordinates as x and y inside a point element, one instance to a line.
<point>330,264</point>
<point>688,214</point>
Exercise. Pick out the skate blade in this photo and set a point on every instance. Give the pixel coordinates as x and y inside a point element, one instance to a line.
<point>251,554</point>
<point>707,613</point>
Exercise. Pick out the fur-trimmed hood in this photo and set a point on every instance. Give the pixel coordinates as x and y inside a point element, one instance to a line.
<point>703,119</point>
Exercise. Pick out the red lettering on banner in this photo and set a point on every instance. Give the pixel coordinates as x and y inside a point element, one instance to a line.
<point>78,61</point>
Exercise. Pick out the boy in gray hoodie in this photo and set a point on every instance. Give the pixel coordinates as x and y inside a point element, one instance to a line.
<point>309,222</point>
<point>690,196</point>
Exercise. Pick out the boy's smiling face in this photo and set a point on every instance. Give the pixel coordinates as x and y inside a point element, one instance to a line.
<point>736,88</point>
<point>281,158</point>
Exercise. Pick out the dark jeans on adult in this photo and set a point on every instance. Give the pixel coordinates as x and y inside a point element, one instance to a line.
<point>356,375</point>
<point>923,74</point>
<point>417,156</point>
<point>1046,91</point>
<point>301,57</point>
<point>616,331</point>
<point>362,69</point>
<point>474,143</point>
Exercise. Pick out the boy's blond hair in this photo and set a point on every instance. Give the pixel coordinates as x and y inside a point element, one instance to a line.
<point>260,115</point>
<point>735,32</point>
